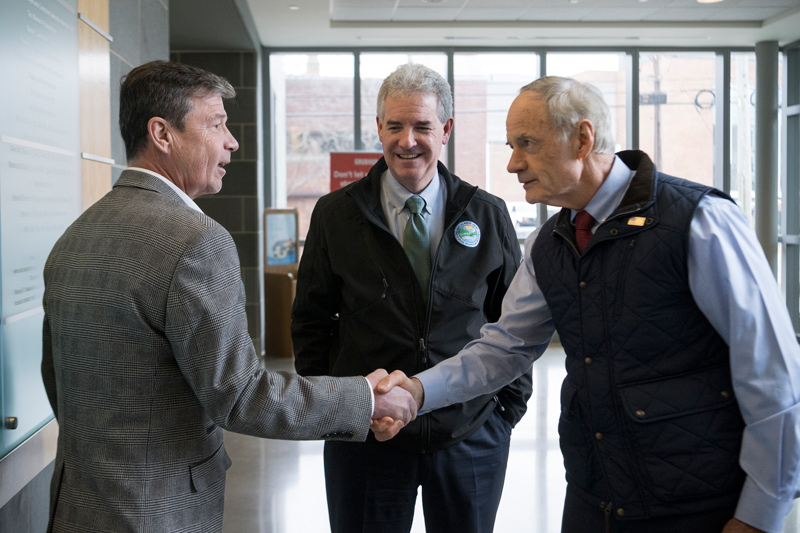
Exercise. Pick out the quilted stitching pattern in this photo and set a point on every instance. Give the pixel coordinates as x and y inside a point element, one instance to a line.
<point>652,406</point>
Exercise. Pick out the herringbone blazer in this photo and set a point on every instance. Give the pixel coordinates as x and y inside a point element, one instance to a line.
<point>147,357</point>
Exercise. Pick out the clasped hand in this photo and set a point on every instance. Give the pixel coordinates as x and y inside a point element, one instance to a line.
<point>396,401</point>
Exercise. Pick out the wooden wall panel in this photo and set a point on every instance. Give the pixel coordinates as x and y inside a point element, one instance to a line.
<point>95,86</point>
<point>94,68</point>
<point>95,181</point>
<point>96,11</point>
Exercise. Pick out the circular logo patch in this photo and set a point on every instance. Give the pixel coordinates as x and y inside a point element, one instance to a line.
<point>468,233</point>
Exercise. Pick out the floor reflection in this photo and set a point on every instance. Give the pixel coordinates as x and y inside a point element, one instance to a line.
<point>278,486</point>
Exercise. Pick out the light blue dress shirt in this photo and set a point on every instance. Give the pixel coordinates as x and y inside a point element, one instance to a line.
<point>733,286</point>
<point>393,201</point>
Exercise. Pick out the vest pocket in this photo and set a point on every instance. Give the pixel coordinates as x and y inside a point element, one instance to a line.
<point>686,432</point>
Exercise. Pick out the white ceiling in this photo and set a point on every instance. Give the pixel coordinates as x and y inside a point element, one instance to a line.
<point>511,23</point>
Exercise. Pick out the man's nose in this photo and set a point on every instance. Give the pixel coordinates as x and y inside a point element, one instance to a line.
<point>231,144</point>
<point>407,138</point>
<point>515,163</point>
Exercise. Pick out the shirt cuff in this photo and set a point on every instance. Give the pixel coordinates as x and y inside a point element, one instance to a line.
<point>435,397</point>
<point>760,510</point>
<point>371,398</point>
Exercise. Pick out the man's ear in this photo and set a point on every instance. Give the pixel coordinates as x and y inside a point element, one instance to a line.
<point>160,133</point>
<point>585,139</point>
<point>380,125</point>
<point>448,129</point>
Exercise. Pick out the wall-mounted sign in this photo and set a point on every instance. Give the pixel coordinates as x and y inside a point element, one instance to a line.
<point>347,167</point>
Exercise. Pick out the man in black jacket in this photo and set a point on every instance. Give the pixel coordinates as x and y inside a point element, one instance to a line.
<point>399,271</point>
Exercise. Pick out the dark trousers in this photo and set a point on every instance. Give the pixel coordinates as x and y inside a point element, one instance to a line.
<point>372,487</point>
<point>581,517</point>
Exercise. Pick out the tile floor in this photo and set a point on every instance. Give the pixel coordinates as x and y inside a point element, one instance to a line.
<point>278,486</point>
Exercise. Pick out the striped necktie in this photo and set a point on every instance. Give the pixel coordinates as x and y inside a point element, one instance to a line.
<point>417,242</point>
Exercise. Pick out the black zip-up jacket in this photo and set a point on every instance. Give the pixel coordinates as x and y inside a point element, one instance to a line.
<point>359,306</point>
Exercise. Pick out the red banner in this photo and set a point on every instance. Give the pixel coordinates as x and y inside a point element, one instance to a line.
<point>347,167</point>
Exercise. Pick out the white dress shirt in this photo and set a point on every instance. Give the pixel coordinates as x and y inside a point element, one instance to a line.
<point>183,195</point>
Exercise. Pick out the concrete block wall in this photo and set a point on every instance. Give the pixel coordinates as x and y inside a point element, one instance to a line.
<point>238,205</point>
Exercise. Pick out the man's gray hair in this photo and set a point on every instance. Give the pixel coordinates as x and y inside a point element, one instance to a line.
<point>568,101</point>
<point>413,78</point>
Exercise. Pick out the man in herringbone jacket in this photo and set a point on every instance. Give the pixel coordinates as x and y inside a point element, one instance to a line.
<point>146,354</point>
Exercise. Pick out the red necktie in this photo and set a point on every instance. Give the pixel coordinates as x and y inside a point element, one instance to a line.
<point>583,229</point>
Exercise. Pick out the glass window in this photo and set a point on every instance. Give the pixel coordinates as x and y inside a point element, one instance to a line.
<point>607,72</point>
<point>485,86</point>
<point>313,116</point>
<point>374,67</point>
<point>676,113</point>
<point>743,120</point>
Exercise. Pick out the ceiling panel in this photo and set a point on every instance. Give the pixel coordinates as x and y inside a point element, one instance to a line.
<point>750,13</point>
<point>362,3</point>
<point>556,13</point>
<point>508,22</point>
<point>362,13</point>
<point>485,13</point>
<point>500,4</point>
<point>616,13</point>
<point>426,13</point>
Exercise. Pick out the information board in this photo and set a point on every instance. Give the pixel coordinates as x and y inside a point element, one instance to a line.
<point>39,190</point>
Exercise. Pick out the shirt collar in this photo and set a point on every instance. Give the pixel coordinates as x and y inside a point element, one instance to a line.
<point>188,201</point>
<point>611,192</point>
<point>397,195</point>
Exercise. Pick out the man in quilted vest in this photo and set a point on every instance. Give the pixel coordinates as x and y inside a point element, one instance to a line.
<point>680,407</point>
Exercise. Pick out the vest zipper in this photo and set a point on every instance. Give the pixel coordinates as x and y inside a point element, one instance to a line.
<point>607,512</point>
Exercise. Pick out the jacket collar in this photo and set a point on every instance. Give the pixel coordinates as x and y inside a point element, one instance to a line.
<point>641,193</point>
<point>367,192</point>
<point>145,181</point>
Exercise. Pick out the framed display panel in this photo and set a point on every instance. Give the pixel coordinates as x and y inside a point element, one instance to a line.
<point>280,239</point>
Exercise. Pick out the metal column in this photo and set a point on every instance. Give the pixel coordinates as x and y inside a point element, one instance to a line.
<point>766,144</point>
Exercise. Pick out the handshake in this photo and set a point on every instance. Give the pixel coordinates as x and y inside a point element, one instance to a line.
<point>397,398</point>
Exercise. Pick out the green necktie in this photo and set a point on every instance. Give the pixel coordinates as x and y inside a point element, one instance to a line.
<point>417,242</point>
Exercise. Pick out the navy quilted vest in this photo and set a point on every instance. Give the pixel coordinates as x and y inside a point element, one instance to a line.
<point>649,423</point>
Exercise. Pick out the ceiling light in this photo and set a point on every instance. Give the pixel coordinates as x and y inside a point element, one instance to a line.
<point>294,8</point>
<point>708,1</point>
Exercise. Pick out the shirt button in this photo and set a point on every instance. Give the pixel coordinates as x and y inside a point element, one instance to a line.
<point>725,394</point>
<point>639,414</point>
<point>620,512</point>
<point>582,284</point>
<point>588,360</point>
<point>598,436</point>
